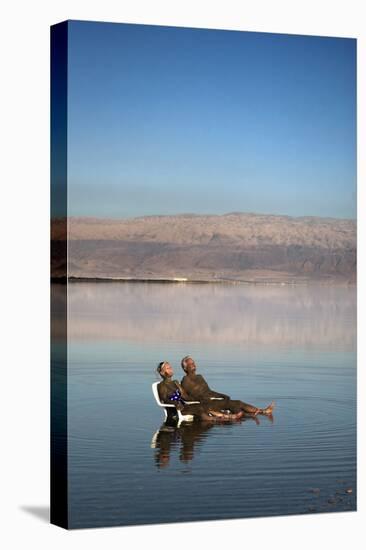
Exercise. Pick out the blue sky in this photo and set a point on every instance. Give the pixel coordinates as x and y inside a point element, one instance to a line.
<point>166,120</point>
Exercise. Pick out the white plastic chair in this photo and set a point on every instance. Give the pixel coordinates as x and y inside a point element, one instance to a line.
<point>168,407</point>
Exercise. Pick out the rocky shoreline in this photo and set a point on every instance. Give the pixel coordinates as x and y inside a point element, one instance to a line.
<point>292,282</point>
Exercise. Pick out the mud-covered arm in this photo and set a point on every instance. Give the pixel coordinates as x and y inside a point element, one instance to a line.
<point>184,393</point>
<point>214,393</point>
<point>163,393</point>
<point>217,394</point>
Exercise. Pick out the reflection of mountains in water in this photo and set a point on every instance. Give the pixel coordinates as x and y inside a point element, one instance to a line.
<point>240,315</point>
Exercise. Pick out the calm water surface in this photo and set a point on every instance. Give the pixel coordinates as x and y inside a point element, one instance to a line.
<point>296,345</point>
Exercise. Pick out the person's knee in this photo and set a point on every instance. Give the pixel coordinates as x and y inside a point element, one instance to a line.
<point>235,406</point>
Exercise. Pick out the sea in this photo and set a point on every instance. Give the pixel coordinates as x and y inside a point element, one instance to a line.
<point>292,344</point>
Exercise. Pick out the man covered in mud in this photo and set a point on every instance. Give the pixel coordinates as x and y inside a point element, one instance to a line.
<point>196,386</point>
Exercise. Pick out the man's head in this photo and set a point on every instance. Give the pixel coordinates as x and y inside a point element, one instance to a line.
<point>188,365</point>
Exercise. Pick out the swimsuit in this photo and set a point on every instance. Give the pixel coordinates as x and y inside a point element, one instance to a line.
<point>176,397</point>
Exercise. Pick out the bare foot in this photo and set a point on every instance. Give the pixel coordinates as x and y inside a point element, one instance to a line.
<point>268,410</point>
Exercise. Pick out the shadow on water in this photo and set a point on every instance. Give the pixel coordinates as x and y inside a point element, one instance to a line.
<point>185,438</point>
<point>40,512</point>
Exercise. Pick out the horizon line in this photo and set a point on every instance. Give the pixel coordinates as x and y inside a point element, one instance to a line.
<point>200,214</point>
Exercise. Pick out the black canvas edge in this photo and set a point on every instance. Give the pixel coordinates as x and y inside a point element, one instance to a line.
<point>58,300</point>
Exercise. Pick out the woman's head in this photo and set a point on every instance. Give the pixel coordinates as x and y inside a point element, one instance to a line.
<point>165,369</point>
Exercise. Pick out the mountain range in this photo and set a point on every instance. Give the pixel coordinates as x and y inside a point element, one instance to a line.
<point>236,246</point>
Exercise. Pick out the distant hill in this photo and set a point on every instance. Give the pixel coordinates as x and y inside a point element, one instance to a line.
<point>237,246</point>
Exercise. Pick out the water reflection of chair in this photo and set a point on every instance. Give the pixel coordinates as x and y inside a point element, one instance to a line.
<point>183,438</point>
<point>170,410</point>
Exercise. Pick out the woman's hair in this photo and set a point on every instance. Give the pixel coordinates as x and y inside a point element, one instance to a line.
<point>160,366</point>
